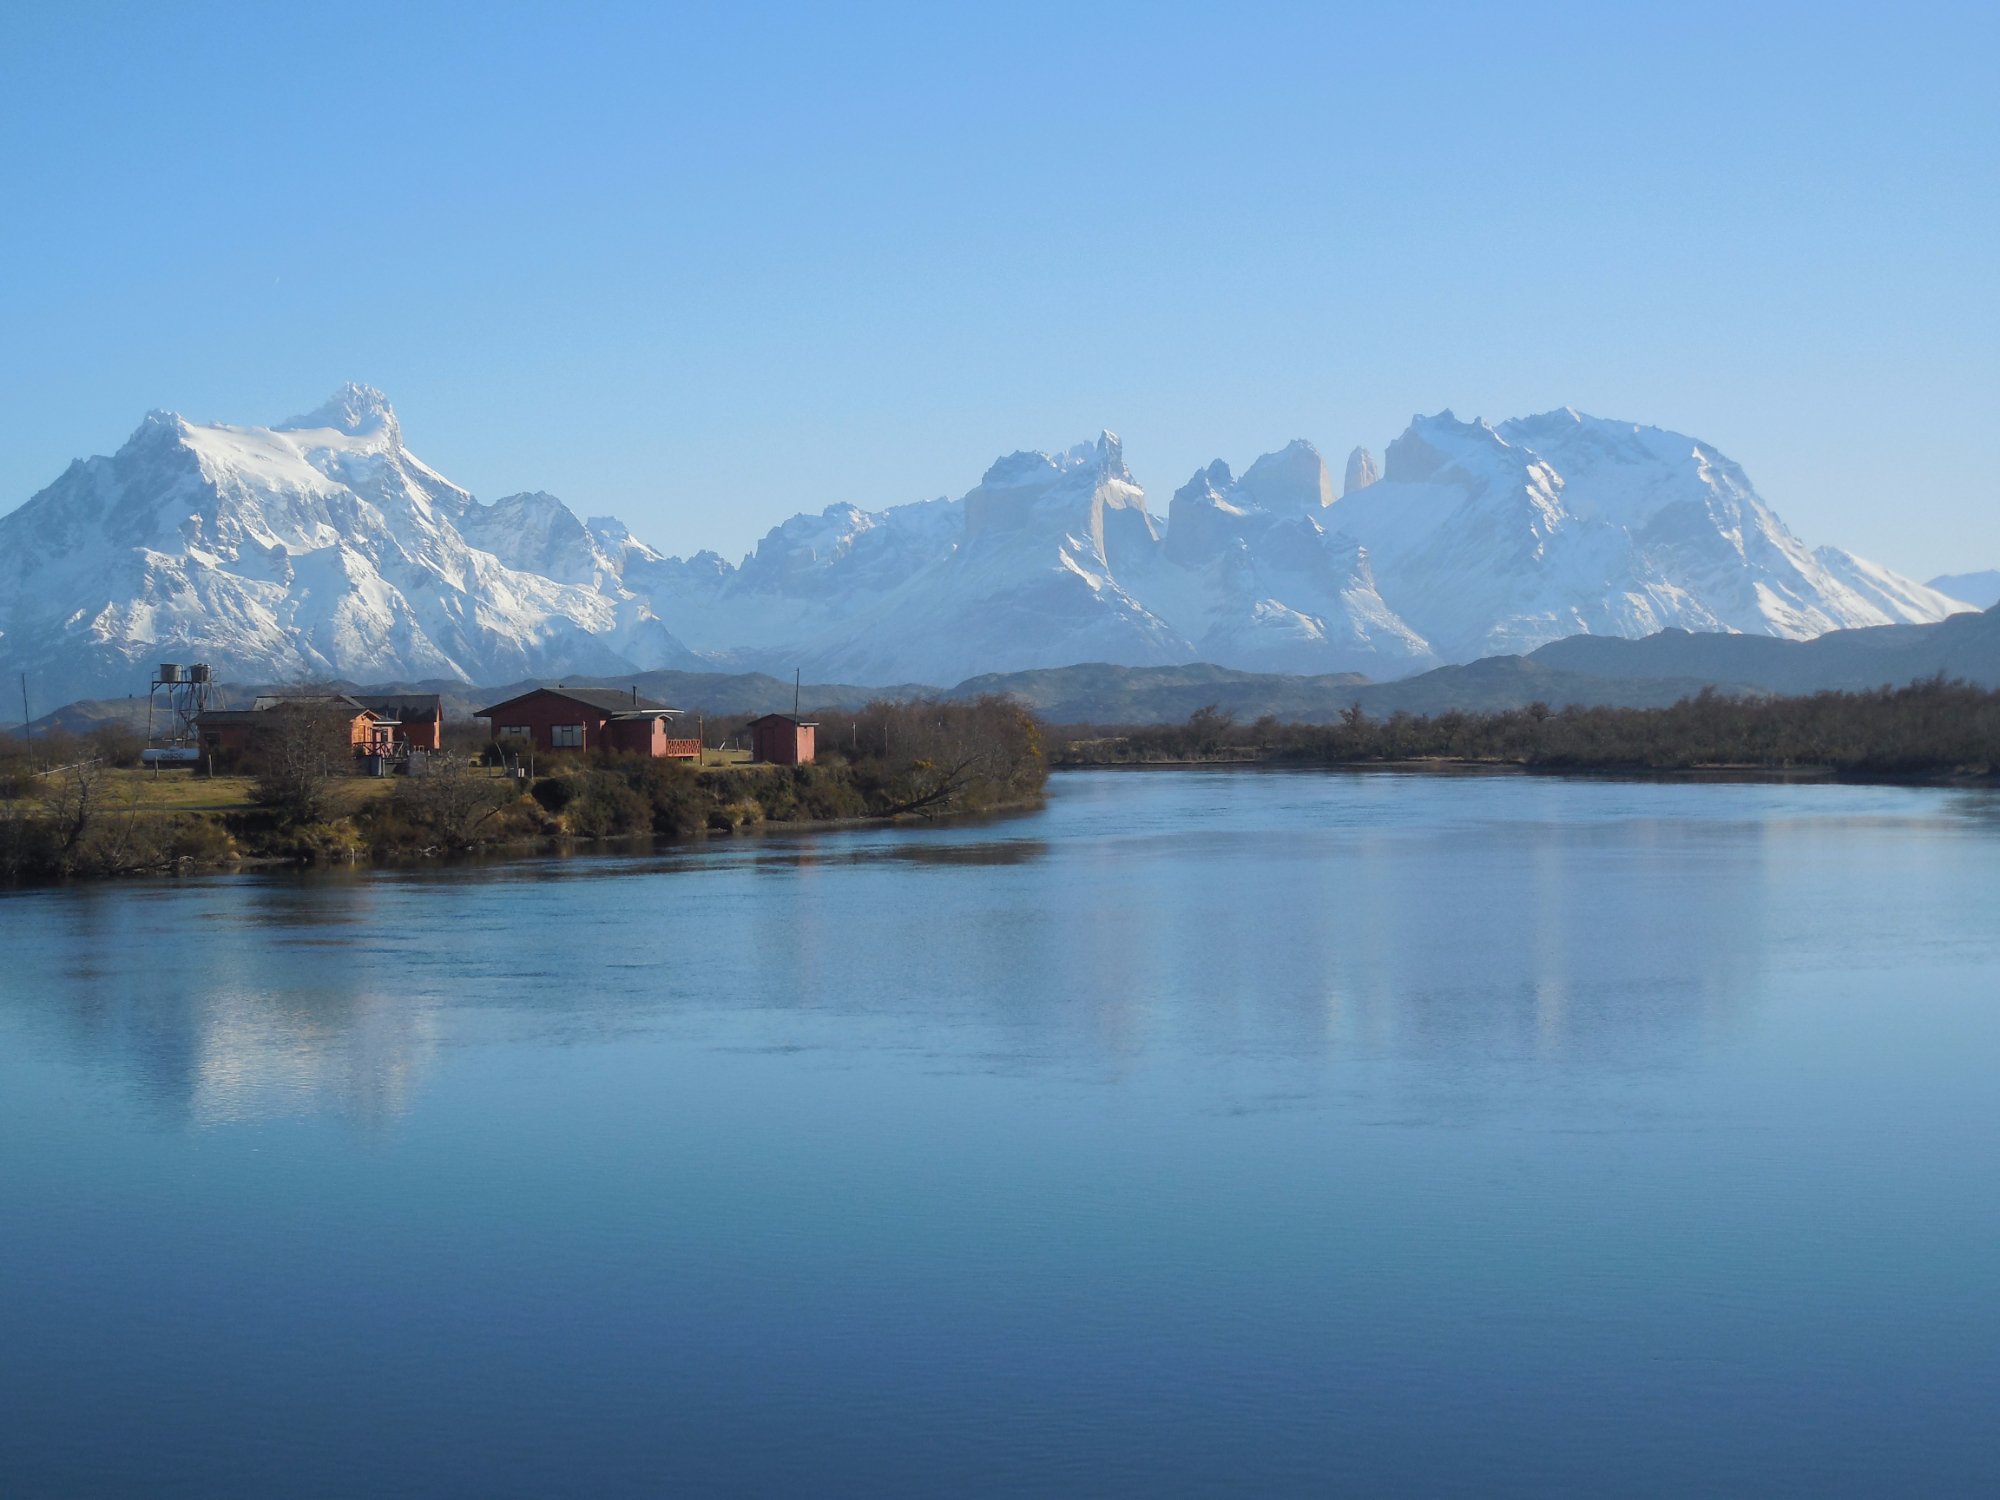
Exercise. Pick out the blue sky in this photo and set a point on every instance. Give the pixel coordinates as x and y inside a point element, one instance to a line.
<point>703,268</point>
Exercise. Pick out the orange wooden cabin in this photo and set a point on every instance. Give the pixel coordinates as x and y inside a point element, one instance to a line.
<point>418,717</point>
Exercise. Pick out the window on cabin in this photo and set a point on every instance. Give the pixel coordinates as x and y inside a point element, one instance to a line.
<point>566,736</point>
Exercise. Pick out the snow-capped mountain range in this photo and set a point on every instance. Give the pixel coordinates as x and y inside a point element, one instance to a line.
<point>323,547</point>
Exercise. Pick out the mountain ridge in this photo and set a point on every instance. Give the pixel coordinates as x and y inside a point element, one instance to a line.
<point>322,546</point>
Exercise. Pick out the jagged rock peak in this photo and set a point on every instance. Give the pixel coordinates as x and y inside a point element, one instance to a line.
<point>159,428</point>
<point>1105,457</point>
<point>1215,478</point>
<point>1107,453</point>
<point>1361,471</point>
<point>358,410</point>
<point>1294,478</point>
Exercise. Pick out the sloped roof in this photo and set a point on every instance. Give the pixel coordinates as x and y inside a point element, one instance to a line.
<point>266,704</point>
<point>404,705</point>
<point>604,700</point>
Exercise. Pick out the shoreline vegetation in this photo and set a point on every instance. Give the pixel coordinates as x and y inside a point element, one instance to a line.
<point>80,808</point>
<point>83,809</point>
<point>1933,731</point>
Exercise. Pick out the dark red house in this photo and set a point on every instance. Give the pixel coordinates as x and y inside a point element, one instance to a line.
<point>233,731</point>
<point>387,725</point>
<point>561,718</point>
<point>783,739</point>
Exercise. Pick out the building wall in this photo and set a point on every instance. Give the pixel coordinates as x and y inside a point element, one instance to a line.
<point>649,737</point>
<point>542,713</point>
<point>635,736</point>
<point>241,735</point>
<point>781,742</point>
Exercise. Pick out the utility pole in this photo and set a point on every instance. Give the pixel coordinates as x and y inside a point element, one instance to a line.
<point>795,692</point>
<point>27,724</point>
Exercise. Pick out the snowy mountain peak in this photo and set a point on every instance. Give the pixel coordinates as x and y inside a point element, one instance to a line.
<point>353,408</point>
<point>356,410</point>
<point>324,547</point>
<point>1444,450</point>
<point>1105,456</point>
<point>1111,455</point>
<point>318,548</point>
<point>1293,479</point>
<point>1361,471</point>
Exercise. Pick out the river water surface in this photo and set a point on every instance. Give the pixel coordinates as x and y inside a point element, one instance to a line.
<point>1211,1133</point>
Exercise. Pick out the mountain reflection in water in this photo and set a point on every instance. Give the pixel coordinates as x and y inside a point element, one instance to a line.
<point>1203,1133</point>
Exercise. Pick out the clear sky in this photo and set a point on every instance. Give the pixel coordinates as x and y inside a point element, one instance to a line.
<point>702,268</point>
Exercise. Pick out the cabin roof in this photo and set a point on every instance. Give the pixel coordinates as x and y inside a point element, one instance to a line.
<point>263,706</point>
<point>404,705</point>
<point>604,700</point>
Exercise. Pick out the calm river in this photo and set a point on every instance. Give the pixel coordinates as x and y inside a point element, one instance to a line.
<point>1222,1134</point>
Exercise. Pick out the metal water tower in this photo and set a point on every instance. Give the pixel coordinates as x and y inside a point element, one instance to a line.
<point>175,701</point>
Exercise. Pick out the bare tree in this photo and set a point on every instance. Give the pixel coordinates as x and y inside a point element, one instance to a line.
<point>452,800</point>
<point>71,796</point>
<point>302,744</point>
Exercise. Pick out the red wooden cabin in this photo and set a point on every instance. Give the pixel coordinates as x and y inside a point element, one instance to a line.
<point>561,718</point>
<point>228,730</point>
<point>783,739</point>
<point>390,726</point>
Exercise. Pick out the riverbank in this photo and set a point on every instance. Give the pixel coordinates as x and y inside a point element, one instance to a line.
<point>1439,766</point>
<point>86,820</point>
<point>1933,732</point>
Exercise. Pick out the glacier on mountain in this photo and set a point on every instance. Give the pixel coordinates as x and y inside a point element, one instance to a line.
<point>322,546</point>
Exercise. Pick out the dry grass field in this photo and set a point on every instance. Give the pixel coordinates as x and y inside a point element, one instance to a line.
<point>186,792</point>
<point>180,791</point>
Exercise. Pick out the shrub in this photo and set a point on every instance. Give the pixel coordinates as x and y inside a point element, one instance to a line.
<point>301,746</point>
<point>199,841</point>
<point>677,802</point>
<point>731,816</point>
<point>602,806</point>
